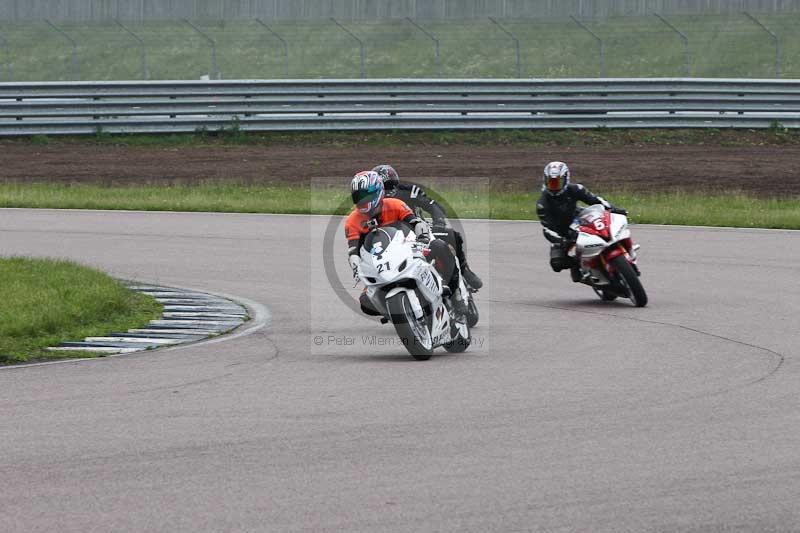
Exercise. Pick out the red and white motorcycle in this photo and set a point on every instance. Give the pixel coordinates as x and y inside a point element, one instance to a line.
<point>607,255</point>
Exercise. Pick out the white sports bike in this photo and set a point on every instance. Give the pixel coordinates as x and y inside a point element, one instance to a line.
<point>607,255</point>
<point>410,293</point>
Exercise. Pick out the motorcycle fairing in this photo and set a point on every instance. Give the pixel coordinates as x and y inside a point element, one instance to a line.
<point>390,264</point>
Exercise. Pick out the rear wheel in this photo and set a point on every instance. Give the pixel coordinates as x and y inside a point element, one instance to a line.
<point>606,296</point>
<point>629,280</point>
<point>458,345</point>
<point>472,313</point>
<point>459,342</point>
<point>414,333</point>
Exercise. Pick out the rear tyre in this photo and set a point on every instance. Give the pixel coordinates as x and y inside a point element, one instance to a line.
<point>606,296</point>
<point>629,280</point>
<point>459,344</point>
<point>472,313</point>
<point>414,333</point>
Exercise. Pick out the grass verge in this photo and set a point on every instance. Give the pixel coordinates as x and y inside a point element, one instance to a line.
<point>482,201</point>
<point>44,302</point>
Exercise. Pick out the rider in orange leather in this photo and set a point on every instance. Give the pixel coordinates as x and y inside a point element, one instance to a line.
<point>372,209</point>
<point>393,210</point>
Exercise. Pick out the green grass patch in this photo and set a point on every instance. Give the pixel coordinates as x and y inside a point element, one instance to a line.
<point>719,46</point>
<point>487,201</point>
<point>223,198</point>
<point>44,302</point>
<point>674,208</point>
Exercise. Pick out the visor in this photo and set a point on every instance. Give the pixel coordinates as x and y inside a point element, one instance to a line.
<point>368,202</point>
<point>555,183</point>
<point>364,197</point>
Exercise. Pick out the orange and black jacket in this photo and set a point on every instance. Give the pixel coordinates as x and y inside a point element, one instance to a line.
<point>357,226</point>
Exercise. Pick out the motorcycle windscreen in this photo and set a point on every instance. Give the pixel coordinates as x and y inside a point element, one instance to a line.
<point>589,214</point>
<point>378,241</point>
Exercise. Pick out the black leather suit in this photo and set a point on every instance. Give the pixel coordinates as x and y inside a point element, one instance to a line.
<point>556,213</point>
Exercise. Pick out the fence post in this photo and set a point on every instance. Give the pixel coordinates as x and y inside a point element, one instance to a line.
<point>75,71</point>
<point>685,43</point>
<point>516,44</point>
<point>360,45</point>
<point>435,42</point>
<point>283,42</point>
<point>775,38</point>
<point>599,41</point>
<point>145,71</point>
<point>216,73</point>
<point>8,57</point>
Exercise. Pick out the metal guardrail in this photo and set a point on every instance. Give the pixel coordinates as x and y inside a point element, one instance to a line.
<point>302,105</point>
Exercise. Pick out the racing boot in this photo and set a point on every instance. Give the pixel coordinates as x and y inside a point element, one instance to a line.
<point>459,304</point>
<point>575,272</point>
<point>471,277</point>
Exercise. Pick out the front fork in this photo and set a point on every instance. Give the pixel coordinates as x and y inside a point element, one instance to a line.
<point>618,250</point>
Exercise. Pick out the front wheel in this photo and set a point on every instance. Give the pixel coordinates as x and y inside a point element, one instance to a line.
<point>413,332</point>
<point>629,280</point>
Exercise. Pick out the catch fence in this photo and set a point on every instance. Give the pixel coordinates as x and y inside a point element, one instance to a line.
<point>737,46</point>
<point>276,10</point>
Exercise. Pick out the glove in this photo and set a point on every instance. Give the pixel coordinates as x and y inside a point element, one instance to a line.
<point>422,232</point>
<point>439,226</point>
<point>355,261</point>
<point>570,239</point>
<point>568,245</point>
<point>619,211</point>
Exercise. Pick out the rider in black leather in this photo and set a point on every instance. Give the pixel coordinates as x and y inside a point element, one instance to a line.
<point>556,209</point>
<point>416,198</point>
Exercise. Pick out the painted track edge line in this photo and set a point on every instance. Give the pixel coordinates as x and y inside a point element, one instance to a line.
<point>261,318</point>
<point>492,220</point>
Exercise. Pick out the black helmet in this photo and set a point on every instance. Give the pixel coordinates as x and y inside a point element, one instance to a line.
<point>389,176</point>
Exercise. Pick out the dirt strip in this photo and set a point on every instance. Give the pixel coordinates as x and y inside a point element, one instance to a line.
<point>758,170</point>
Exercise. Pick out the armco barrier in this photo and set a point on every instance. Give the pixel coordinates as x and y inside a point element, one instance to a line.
<point>305,105</point>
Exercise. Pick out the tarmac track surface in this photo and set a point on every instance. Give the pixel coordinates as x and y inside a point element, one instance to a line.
<point>567,414</point>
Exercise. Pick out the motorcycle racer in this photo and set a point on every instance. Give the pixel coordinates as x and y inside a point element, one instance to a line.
<point>416,198</point>
<point>372,209</point>
<point>556,209</point>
